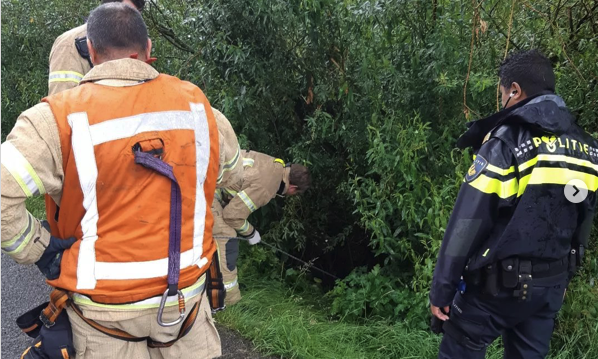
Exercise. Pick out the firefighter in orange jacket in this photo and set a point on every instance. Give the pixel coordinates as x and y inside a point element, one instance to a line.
<point>264,178</point>
<point>130,159</point>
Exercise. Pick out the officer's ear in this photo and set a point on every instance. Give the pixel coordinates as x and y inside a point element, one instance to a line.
<point>148,48</point>
<point>517,93</point>
<point>93,55</point>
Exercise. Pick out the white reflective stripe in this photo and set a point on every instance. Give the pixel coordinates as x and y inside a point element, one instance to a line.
<point>228,286</point>
<point>248,202</point>
<point>65,76</point>
<point>87,170</point>
<point>126,127</point>
<point>21,170</point>
<point>18,242</point>
<point>142,270</point>
<point>190,292</point>
<point>202,159</point>
<point>248,162</point>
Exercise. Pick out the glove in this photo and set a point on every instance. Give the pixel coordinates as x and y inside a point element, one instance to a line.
<point>255,238</point>
<point>49,263</point>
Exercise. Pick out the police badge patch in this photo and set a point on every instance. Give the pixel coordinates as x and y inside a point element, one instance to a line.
<point>479,164</point>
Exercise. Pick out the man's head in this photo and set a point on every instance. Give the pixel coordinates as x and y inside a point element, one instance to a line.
<point>524,74</point>
<point>138,4</point>
<point>299,180</point>
<point>116,31</point>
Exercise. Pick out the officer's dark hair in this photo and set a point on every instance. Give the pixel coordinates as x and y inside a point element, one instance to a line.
<point>115,26</point>
<point>299,176</point>
<point>530,69</point>
<point>139,4</point>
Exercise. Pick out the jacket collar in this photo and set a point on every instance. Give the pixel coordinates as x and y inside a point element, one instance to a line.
<point>284,184</point>
<point>121,69</point>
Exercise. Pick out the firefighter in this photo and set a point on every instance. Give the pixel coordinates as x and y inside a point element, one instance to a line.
<point>517,232</point>
<point>130,158</point>
<point>264,178</point>
<point>69,57</point>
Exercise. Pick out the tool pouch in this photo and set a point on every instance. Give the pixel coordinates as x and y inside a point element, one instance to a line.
<point>510,272</point>
<point>51,342</point>
<point>491,283</point>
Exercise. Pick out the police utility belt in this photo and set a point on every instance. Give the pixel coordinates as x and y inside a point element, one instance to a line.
<point>518,275</point>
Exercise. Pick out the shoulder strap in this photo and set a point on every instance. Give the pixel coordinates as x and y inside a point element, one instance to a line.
<point>81,45</point>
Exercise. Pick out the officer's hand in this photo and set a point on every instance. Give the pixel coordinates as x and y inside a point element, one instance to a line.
<point>438,312</point>
<point>49,263</point>
<point>255,238</point>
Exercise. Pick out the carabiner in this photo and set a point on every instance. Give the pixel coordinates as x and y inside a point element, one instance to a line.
<point>181,309</point>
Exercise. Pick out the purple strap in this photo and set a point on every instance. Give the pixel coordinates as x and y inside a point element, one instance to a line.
<point>174,242</point>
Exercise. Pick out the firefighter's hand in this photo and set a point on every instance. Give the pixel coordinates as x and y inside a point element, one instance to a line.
<point>49,263</point>
<point>255,238</point>
<point>440,313</point>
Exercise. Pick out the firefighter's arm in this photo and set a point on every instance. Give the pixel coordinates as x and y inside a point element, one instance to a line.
<point>489,185</point>
<point>31,166</point>
<point>67,67</point>
<point>240,207</point>
<point>230,171</point>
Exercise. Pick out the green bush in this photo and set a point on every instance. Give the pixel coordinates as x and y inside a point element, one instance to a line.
<point>368,94</point>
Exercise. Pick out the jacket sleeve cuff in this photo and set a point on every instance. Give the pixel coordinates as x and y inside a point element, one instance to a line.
<point>34,250</point>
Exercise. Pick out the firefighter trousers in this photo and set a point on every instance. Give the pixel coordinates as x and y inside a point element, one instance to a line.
<point>228,252</point>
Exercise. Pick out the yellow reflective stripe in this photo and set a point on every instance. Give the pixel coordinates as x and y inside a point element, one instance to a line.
<point>548,175</point>
<point>523,181</point>
<point>280,161</point>
<point>567,159</point>
<point>528,164</point>
<point>230,285</point>
<point>492,185</point>
<point>218,195</point>
<point>486,252</point>
<point>21,170</point>
<point>154,302</point>
<point>18,242</point>
<point>248,202</point>
<point>499,170</point>
<point>244,227</point>
<point>65,76</point>
<point>231,192</point>
<point>248,162</point>
<point>229,165</point>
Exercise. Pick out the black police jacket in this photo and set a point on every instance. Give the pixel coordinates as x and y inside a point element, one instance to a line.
<point>512,201</point>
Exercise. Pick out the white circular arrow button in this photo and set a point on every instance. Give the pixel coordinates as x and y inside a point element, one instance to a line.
<point>576,191</point>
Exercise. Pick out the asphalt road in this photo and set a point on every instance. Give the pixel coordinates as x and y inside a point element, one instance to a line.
<point>23,288</point>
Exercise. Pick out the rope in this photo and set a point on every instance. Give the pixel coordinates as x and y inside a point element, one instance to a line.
<point>506,52</point>
<point>309,265</point>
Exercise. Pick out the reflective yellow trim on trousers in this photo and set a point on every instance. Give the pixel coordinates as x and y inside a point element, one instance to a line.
<point>248,202</point>
<point>18,242</point>
<point>499,170</point>
<point>492,185</point>
<point>21,170</point>
<point>190,292</point>
<point>230,285</point>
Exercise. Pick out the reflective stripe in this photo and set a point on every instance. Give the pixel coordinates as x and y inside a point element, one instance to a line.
<point>84,138</point>
<point>21,170</point>
<point>522,184</point>
<point>248,162</point>
<point>278,160</point>
<point>528,164</point>
<point>499,170</point>
<point>65,76</point>
<point>229,165</point>
<point>18,242</point>
<point>230,285</point>
<point>492,185</point>
<point>154,302</point>
<point>549,175</point>
<point>248,202</point>
<point>244,227</point>
<point>218,195</point>
<point>567,159</point>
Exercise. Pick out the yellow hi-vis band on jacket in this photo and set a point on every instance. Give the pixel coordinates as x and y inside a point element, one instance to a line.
<point>492,185</point>
<point>18,242</point>
<point>248,202</point>
<point>65,76</point>
<point>280,161</point>
<point>229,165</point>
<point>21,170</point>
<point>244,228</point>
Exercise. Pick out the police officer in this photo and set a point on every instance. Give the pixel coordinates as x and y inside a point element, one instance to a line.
<point>69,57</point>
<point>514,238</point>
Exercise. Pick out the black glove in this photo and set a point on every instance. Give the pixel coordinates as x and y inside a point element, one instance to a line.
<point>49,263</point>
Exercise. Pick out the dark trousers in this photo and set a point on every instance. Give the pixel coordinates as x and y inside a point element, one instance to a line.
<point>526,327</point>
